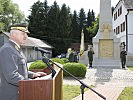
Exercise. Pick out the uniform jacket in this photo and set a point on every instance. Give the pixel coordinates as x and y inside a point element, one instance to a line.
<point>90,55</point>
<point>13,67</point>
<point>123,55</point>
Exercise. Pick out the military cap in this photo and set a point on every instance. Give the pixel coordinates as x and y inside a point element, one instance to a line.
<point>20,26</point>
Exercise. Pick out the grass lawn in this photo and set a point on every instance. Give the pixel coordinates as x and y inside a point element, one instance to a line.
<point>130,67</point>
<point>71,91</point>
<point>127,94</point>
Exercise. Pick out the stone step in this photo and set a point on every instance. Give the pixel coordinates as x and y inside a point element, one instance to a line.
<point>109,67</point>
<point>106,63</point>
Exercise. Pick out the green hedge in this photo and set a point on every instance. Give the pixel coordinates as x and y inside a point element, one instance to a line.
<point>58,60</point>
<point>77,69</point>
<point>40,65</point>
<point>37,65</point>
<point>65,60</point>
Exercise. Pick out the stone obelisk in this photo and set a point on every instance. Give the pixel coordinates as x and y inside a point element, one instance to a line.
<point>105,44</point>
<point>105,13</point>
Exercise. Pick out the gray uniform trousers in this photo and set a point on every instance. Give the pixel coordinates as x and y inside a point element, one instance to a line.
<point>13,68</point>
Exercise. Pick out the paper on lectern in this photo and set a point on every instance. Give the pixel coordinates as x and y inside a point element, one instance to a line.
<point>44,77</point>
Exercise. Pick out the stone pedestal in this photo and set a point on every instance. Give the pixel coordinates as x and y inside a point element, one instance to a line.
<point>107,51</point>
<point>106,47</point>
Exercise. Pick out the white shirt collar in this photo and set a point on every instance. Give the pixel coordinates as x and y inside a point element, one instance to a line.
<point>15,43</point>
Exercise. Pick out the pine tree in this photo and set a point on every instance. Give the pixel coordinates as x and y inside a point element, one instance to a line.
<point>89,19</point>
<point>53,21</point>
<point>90,24</point>
<point>92,30</point>
<point>82,19</point>
<point>65,27</point>
<point>65,21</point>
<point>93,16</point>
<point>46,9</point>
<point>53,27</point>
<point>75,28</point>
<point>36,20</point>
<point>58,26</point>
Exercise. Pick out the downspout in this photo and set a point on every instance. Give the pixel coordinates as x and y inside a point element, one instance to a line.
<point>126,30</point>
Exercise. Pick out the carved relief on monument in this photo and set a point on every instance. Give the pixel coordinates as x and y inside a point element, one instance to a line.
<point>106,48</point>
<point>105,29</point>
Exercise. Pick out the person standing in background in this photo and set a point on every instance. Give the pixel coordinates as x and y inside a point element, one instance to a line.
<point>68,52</point>
<point>123,54</point>
<point>90,56</point>
<point>72,55</point>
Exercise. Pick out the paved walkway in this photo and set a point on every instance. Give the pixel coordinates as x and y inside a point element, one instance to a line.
<point>108,82</point>
<point>111,93</point>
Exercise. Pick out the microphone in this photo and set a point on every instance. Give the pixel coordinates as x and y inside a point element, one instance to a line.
<point>41,50</point>
<point>46,60</point>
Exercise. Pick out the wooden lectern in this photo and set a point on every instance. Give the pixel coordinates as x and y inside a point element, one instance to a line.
<point>50,89</point>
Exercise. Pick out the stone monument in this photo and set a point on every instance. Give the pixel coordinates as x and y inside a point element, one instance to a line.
<point>105,44</point>
<point>83,54</point>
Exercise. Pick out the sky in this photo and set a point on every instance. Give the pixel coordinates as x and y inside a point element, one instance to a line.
<point>25,5</point>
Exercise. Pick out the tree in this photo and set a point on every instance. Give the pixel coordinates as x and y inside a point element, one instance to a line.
<point>93,16</point>
<point>46,9</point>
<point>89,19</point>
<point>53,21</point>
<point>65,21</point>
<point>65,27</point>
<point>90,25</point>
<point>92,30</point>
<point>82,19</point>
<point>9,14</point>
<point>53,27</point>
<point>75,28</point>
<point>57,25</point>
<point>37,19</point>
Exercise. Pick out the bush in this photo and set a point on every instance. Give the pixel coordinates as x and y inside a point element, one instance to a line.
<point>65,60</point>
<point>77,69</point>
<point>58,60</point>
<point>38,65</point>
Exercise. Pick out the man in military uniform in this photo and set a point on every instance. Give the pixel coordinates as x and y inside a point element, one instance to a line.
<point>90,56</point>
<point>123,54</point>
<point>13,66</point>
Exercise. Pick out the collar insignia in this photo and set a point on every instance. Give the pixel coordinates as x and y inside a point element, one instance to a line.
<point>16,47</point>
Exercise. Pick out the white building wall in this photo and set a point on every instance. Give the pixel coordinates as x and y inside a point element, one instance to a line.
<point>122,35</point>
<point>120,19</point>
<point>130,31</point>
<point>130,44</point>
<point>130,22</point>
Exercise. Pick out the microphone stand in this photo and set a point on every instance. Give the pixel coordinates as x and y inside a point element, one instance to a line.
<point>83,85</point>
